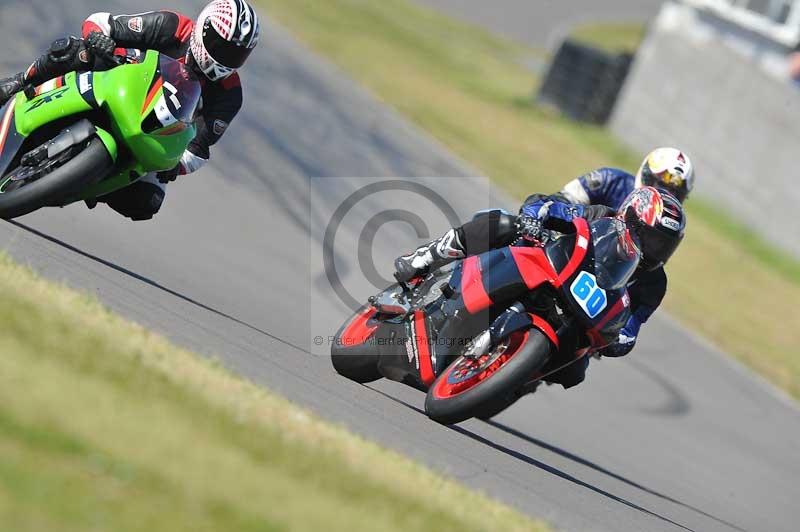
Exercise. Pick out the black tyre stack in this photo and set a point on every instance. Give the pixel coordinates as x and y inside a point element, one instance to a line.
<point>584,82</point>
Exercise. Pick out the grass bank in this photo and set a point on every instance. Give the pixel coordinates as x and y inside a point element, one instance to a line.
<point>613,38</point>
<point>104,426</point>
<point>471,91</point>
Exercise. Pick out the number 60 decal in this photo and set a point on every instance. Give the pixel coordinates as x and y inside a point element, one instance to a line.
<point>589,296</point>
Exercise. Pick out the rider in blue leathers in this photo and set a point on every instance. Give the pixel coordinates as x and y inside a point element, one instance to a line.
<point>604,186</point>
<point>596,194</point>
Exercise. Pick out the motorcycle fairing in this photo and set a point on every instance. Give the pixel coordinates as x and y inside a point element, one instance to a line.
<point>501,274</point>
<point>544,326</point>
<point>126,93</point>
<point>54,99</point>
<point>605,329</point>
<point>10,139</point>
<point>403,349</point>
<point>498,276</point>
<point>422,345</point>
<point>361,327</point>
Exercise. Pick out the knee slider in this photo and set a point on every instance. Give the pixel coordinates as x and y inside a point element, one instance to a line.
<point>139,201</point>
<point>148,208</point>
<point>156,200</point>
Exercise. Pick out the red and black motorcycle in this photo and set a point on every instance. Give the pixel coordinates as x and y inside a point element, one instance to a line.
<point>480,334</point>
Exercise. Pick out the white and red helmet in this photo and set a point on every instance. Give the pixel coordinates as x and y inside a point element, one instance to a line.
<point>667,169</point>
<point>224,35</point>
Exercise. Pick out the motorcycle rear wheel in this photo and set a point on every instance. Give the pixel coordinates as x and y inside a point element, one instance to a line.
<point>351,355</point>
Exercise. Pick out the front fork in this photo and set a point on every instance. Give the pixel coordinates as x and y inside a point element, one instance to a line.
<point>514,318</point>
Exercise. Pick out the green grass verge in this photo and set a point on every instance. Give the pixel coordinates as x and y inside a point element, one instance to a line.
<point>613,38</point>
<point>469,89</point>
<point>104,426</point>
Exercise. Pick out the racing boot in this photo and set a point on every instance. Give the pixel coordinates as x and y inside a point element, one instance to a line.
<point>429,257</point>
<point>10,86</point>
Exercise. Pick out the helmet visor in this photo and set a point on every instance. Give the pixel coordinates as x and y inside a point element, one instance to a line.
<point>671,182</point>
<point>224,52</point>
<point>615,253</point>
<point>657,246</point>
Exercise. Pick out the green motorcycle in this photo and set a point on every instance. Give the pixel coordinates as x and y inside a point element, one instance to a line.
<point>87,134</point>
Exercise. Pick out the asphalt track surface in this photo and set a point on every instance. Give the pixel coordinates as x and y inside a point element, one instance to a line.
<point>543,23</point>
<point>674,437</point>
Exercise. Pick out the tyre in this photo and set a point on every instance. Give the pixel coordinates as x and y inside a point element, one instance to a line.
<point>351,356</point>
<point>483,387</point>
<point>496,407</point>
<point>18,198</point>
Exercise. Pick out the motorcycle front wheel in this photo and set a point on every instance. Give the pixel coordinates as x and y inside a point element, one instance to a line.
<point>479,386</point>
<point>27,189</point>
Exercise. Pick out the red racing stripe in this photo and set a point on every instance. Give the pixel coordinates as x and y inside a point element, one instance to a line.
<point>171,130</point>
<point>578,252</point>
<point>472,289</point>
<point>533,266</point>
<point>5,125</point>
<point>156,88</point>
<point>594,332</point>
<point>544,326</point>
<point>358,331</point>
<point>423,349</point>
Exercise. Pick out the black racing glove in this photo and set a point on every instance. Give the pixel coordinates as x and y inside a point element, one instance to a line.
<point>100,44</point>
<point>168,175</point>
<point>530,228</point>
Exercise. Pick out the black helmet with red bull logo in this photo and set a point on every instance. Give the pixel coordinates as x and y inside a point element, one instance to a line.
<point>657,223</point>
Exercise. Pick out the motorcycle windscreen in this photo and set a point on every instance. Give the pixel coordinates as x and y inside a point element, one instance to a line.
<point>181,88</point>
<point>176,108</point>
<point>616,256</point>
